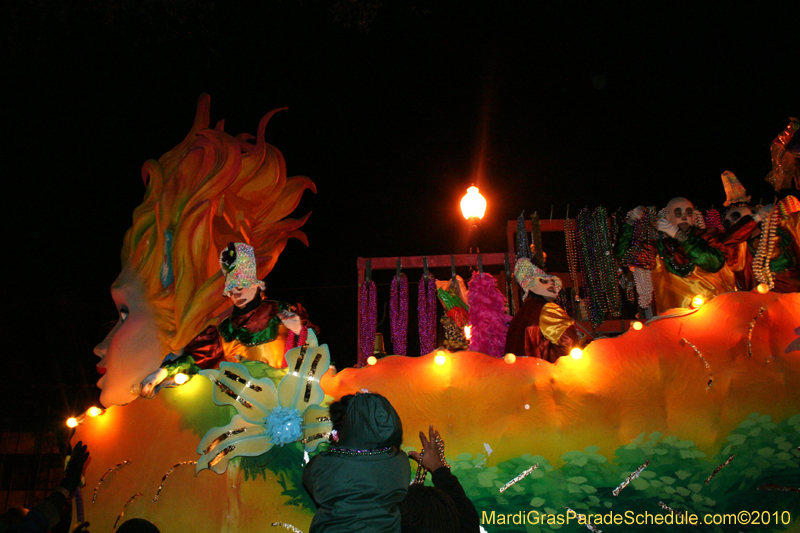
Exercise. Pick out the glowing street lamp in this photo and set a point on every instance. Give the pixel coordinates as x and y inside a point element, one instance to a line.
<point>473,207</point>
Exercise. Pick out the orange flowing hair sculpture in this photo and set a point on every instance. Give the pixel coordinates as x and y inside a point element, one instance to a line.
<point>209,190</point>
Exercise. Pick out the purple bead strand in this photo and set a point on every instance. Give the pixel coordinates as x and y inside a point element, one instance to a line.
<point>398,316</point>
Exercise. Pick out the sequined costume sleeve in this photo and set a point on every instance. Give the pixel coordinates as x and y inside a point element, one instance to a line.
<point>204,351</point>
<point>624,241</point>
<point>700,249</point>
<point>739,232</point>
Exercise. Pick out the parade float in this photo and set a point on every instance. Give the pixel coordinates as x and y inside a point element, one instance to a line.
<point>696,412</point>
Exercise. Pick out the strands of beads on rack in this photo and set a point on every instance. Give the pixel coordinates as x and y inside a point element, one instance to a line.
<point>572,255</point>
<point>398,313</point>
<point>606,265</point>
<point>641,256</point>
<point>523,249</point>
<point>368,311</point>
<point>426,313</point>
<point>590,254</point>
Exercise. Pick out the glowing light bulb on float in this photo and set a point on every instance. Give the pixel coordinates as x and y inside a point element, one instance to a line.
<point>94,411</point>
<point>440,358</point>
<point>181,378</point>
<point>510,358</point>
<point>697,302</point>
<point>371,360</point>
<point>636,325</point>
<point>762,288</point>
<point>576,353</point>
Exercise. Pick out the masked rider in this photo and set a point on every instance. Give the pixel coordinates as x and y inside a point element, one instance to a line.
<point>541,328</point>
<point>249,333</point>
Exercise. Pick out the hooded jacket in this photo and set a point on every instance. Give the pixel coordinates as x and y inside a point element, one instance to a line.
<point>359,483</point>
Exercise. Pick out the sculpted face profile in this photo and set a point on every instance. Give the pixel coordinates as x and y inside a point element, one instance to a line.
<point>209,190</point>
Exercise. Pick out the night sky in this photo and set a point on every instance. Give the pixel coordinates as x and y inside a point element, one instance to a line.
<point>394,109</point>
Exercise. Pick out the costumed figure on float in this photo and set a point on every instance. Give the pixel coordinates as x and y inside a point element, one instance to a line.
<point>760,247</point>
<point>689,261</point>
<point>541,328</point>
<point>248,334</point>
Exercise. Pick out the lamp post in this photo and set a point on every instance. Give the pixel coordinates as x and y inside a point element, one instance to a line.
<point>473,207</point>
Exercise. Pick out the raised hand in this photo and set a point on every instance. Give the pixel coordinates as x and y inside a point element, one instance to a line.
<point>429,458</point>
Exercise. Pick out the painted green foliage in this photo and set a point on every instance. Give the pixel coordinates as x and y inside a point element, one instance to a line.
<point>765,453</point>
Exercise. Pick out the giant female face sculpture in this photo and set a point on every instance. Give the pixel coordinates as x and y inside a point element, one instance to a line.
<point>209,190</point>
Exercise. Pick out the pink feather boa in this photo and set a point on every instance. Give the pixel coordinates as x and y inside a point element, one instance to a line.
<point>487,315</point>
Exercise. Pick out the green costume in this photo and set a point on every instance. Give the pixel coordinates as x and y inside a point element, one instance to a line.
<point>359,483</point>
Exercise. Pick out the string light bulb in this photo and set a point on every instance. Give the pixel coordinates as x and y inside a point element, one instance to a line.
<point>371,360</point>
<point>697,302</point>
<point>510,358</point>
<point>576,353</point>
<point>440,358</point>
<point>94,411</point>
<point>762,288</point>
<point>72,422</point>
<point>636,325</point>
<point>181,378</point>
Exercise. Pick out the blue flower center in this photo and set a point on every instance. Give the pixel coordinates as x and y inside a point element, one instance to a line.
<point>284,425</point>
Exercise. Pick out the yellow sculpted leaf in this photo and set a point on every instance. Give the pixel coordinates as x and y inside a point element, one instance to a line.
<point>234,386</point>
<point>237,439</point>
<point>300,387</point>
<point>317,427</point>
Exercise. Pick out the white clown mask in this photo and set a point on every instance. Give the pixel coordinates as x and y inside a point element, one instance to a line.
<point>680,212</point>
<point>735,214</point>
